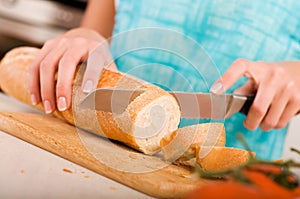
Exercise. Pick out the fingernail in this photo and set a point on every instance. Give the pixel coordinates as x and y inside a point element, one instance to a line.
<point>33,100</point>
<point>217,88</point>
<point>88,86</point>
<point>47,107</point>
<point>62,104</point>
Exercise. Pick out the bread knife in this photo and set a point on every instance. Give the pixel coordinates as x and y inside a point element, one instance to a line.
<point>192,104</point>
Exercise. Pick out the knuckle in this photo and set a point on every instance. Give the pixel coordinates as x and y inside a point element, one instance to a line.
<point>257,109</point>
<point>49,42</point>
<point>277,77</point>
<point>240,62</point>
<point>80,40</point>
<point>63,41</point>
<point>281,124</point>
<point>280,72</point>
<point>266,64</point>
<point>45,96</point>
<point>32,67</point>
<point>33,88</point>
<point>249,125</point>
<point>295,99</point>
<point>47,92</point>
<point>269,123</point>
<point>45,64</point>
<point>245,65</point>
<point>265,127</point>
<point>261,63</point>
<point>290,86</point>
<point>67,60</point>
<point>63,85</point>
<point>61,88</point>
<point>33,91</point>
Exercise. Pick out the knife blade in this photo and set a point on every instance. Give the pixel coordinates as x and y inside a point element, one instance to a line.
<point>192,105</point>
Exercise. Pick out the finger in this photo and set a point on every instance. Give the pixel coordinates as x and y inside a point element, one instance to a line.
<point>97,60</point>
<point>234,72</point>
<point>277,107</point>
<point>261,103</point>
<point>48,69</point>
<point>66,71</point>
<point>248,88</point>
<point>34,75</point>
<point>291,110</point>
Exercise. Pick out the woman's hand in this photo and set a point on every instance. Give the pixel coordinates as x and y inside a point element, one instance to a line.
<point>277,88</point>
<point>61,56</point>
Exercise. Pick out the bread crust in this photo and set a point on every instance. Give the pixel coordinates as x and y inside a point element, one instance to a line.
<point>181,145</point>
<point>221,158</point>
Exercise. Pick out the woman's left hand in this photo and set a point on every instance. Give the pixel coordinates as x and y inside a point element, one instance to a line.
<point>277,88</point>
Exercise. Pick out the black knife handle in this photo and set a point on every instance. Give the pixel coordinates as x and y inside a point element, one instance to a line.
<point>247,104</point>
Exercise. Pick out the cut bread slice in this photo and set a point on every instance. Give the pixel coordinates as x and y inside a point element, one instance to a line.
<point>221,158</point>
<point>181,145</point>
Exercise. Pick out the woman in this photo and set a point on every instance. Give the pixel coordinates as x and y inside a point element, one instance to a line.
<point>231,32</point>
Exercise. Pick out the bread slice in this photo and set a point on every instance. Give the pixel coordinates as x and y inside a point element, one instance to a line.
<point>182,144</point>
<point>221,158</point>
<point>148,119</point>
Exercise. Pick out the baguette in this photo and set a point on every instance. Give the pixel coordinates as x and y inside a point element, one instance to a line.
<point>149,118</point>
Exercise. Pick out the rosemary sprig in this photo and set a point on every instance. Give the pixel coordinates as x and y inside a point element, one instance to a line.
<point>295,150</point>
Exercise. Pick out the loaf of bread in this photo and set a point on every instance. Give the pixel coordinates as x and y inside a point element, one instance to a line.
<point>148,119</point>
<point>149,123</point>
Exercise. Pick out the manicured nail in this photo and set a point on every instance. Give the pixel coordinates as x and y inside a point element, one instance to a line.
<point>62,104</point>
<point>88,86</point>
<point>47,107</point>
<point>217,88</point>
<point>33,100</point>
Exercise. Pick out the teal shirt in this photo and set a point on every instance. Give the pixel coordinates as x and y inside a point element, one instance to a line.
<point>187,45</point>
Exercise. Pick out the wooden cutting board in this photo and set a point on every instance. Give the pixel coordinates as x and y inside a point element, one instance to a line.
<point>147,174</point>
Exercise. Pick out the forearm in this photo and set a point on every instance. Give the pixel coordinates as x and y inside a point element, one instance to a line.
<point>99,16</point>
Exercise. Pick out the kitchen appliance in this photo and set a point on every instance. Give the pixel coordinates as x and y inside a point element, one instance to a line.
<point>32,22</point>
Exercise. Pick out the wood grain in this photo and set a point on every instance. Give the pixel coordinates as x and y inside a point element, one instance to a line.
<point>66,141</point>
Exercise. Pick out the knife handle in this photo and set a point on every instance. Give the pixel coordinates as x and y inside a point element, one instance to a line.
<point>246,107</point>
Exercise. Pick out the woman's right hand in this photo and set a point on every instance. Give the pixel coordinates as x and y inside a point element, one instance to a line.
<point>62,55</point>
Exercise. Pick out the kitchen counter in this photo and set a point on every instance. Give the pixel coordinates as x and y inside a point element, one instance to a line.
<point>29,172</point>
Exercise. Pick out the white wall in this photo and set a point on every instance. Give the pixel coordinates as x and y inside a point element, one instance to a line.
<point>293,139</point>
